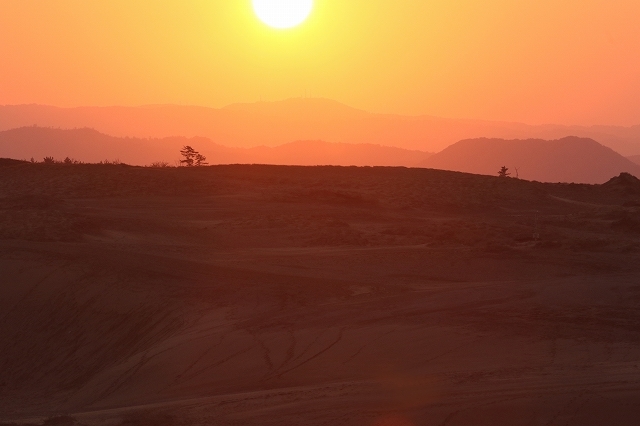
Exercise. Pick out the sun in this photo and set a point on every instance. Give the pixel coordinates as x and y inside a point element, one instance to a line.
<point>283,14</point>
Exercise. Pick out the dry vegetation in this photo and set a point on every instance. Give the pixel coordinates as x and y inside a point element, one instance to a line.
<point>390,205</point>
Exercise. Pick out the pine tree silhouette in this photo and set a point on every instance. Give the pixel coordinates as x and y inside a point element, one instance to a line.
<point>503,172</point>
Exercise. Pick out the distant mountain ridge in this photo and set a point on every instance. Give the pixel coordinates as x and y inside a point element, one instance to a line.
<point>569,159</point>
<point>311,153</point>
<point>276,123</point>
<point>89,145</point>
<point>634,158</point>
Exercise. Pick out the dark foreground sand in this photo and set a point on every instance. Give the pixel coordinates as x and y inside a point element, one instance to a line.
<point>255,295</point>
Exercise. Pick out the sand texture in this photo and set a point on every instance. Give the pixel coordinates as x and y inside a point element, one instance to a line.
<point>269,295</point>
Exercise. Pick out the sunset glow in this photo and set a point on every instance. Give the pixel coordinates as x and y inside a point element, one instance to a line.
<point>319,212</point>
<point>533,61</point>
<point>283,13</point>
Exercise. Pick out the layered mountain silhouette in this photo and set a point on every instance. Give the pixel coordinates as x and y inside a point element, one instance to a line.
<point>89,145</point>
<point>634,158</point>
<point>570,159</point>
<point>311,153</point>
<point>276,123</point>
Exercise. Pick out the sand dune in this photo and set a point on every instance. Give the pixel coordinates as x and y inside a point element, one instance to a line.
<point>271,295</point>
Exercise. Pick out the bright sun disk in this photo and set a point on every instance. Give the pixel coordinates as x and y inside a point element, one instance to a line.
<point>283,13</point>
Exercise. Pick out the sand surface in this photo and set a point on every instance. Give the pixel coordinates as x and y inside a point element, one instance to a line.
<point>257,295</point>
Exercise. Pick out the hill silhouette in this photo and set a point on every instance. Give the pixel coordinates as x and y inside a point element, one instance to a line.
<point>89,145</point>
<point>313,153</point>
<point>300,109</point>
<point>277,123</point>
<point>569,159</point>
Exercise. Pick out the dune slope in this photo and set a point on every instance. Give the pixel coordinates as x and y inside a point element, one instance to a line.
<point>267,295</point>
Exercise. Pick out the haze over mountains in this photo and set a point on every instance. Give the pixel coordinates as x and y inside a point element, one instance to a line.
<point>570,159</point>
<point>634,158</point>
<point>277,123</point>
<point>89,145</point>
<point>317,132</point>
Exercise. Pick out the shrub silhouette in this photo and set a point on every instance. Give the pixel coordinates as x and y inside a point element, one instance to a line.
<point>68,160</point>
<point>503,172</point>
<point>115,162</point>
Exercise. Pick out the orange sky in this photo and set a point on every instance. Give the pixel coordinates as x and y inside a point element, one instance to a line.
<point>534,61</point>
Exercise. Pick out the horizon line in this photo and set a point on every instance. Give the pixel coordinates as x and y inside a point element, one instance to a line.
<point>414,116</point>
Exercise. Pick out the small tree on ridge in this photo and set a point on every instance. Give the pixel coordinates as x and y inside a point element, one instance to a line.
<point>503,172</point>
<point>192,157</point>
<point>189,155</point>
<point>200,160</point>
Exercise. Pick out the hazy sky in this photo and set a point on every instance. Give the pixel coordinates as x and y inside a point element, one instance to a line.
<point>534,61</point>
